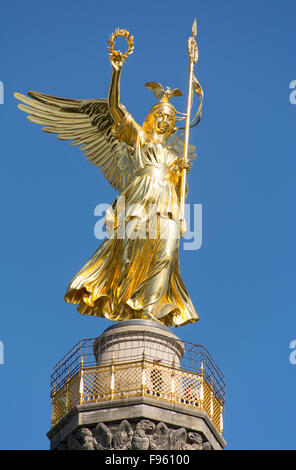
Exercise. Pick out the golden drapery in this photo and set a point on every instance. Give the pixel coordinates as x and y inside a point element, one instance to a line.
<point>135,273</point>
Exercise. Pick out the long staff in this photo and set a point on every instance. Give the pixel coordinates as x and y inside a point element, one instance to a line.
<point>193,58</point>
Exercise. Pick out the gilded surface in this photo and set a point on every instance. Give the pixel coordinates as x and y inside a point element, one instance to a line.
<point>135,273</point>
<point>138,378</point>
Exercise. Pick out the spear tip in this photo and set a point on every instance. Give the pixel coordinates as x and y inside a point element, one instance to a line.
<point>194,28</point>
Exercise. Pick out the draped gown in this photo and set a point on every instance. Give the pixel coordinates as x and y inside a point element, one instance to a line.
<point>135,273</point>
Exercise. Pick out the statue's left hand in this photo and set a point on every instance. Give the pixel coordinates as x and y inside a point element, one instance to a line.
<point>184,164</point>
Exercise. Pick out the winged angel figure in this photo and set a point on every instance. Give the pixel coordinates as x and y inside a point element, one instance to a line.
<point>135,272</point>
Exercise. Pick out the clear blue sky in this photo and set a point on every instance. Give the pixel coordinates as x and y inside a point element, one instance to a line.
<point>242,280</point>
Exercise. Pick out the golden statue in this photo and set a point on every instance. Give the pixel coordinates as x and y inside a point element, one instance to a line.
<point>135,272</point>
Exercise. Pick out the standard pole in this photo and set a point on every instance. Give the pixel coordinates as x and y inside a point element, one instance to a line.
<point>193,58</point>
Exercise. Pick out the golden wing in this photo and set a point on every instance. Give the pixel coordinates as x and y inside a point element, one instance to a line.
<point>157,89</point>
<point>87,123</point>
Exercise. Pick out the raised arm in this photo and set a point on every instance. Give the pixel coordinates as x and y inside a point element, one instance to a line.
<point>114,92</point>
<point>125,129</point>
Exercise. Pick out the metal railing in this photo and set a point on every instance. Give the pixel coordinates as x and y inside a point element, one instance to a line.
<point>93,384</point>
<point>196,359</point>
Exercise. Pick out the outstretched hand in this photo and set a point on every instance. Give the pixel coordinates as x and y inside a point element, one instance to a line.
<point>116,61</point>
<point>117,58</point>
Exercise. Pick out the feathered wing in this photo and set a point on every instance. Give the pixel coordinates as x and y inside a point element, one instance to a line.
<point>86,123</point>
<point>175,92</point>
<point>157,89</point>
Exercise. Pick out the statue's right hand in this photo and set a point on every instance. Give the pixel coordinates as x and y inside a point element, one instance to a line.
<point>116,61</point>
<point>117,58</point>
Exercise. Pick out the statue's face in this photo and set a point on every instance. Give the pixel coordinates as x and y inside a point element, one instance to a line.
<point>163,123</point>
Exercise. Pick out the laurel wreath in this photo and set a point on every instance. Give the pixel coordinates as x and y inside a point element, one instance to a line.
<point>117,55</point>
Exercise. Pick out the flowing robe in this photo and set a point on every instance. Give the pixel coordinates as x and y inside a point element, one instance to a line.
<point>135,273</point>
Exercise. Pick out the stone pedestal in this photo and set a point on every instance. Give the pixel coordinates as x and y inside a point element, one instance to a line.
<point>131,339</point>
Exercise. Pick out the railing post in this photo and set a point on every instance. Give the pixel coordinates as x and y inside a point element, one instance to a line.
<point>201,387</point>
<point>112,385</point>
<point>173,385</point>
<point>67,393</point>
<point>221,417</point>
<point>212,404</point>
<point>53,405</point>
<point>81,384</point>
<point>143,384</point>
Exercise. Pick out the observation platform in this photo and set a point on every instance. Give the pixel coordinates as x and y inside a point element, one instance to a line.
<point>136,364</point>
